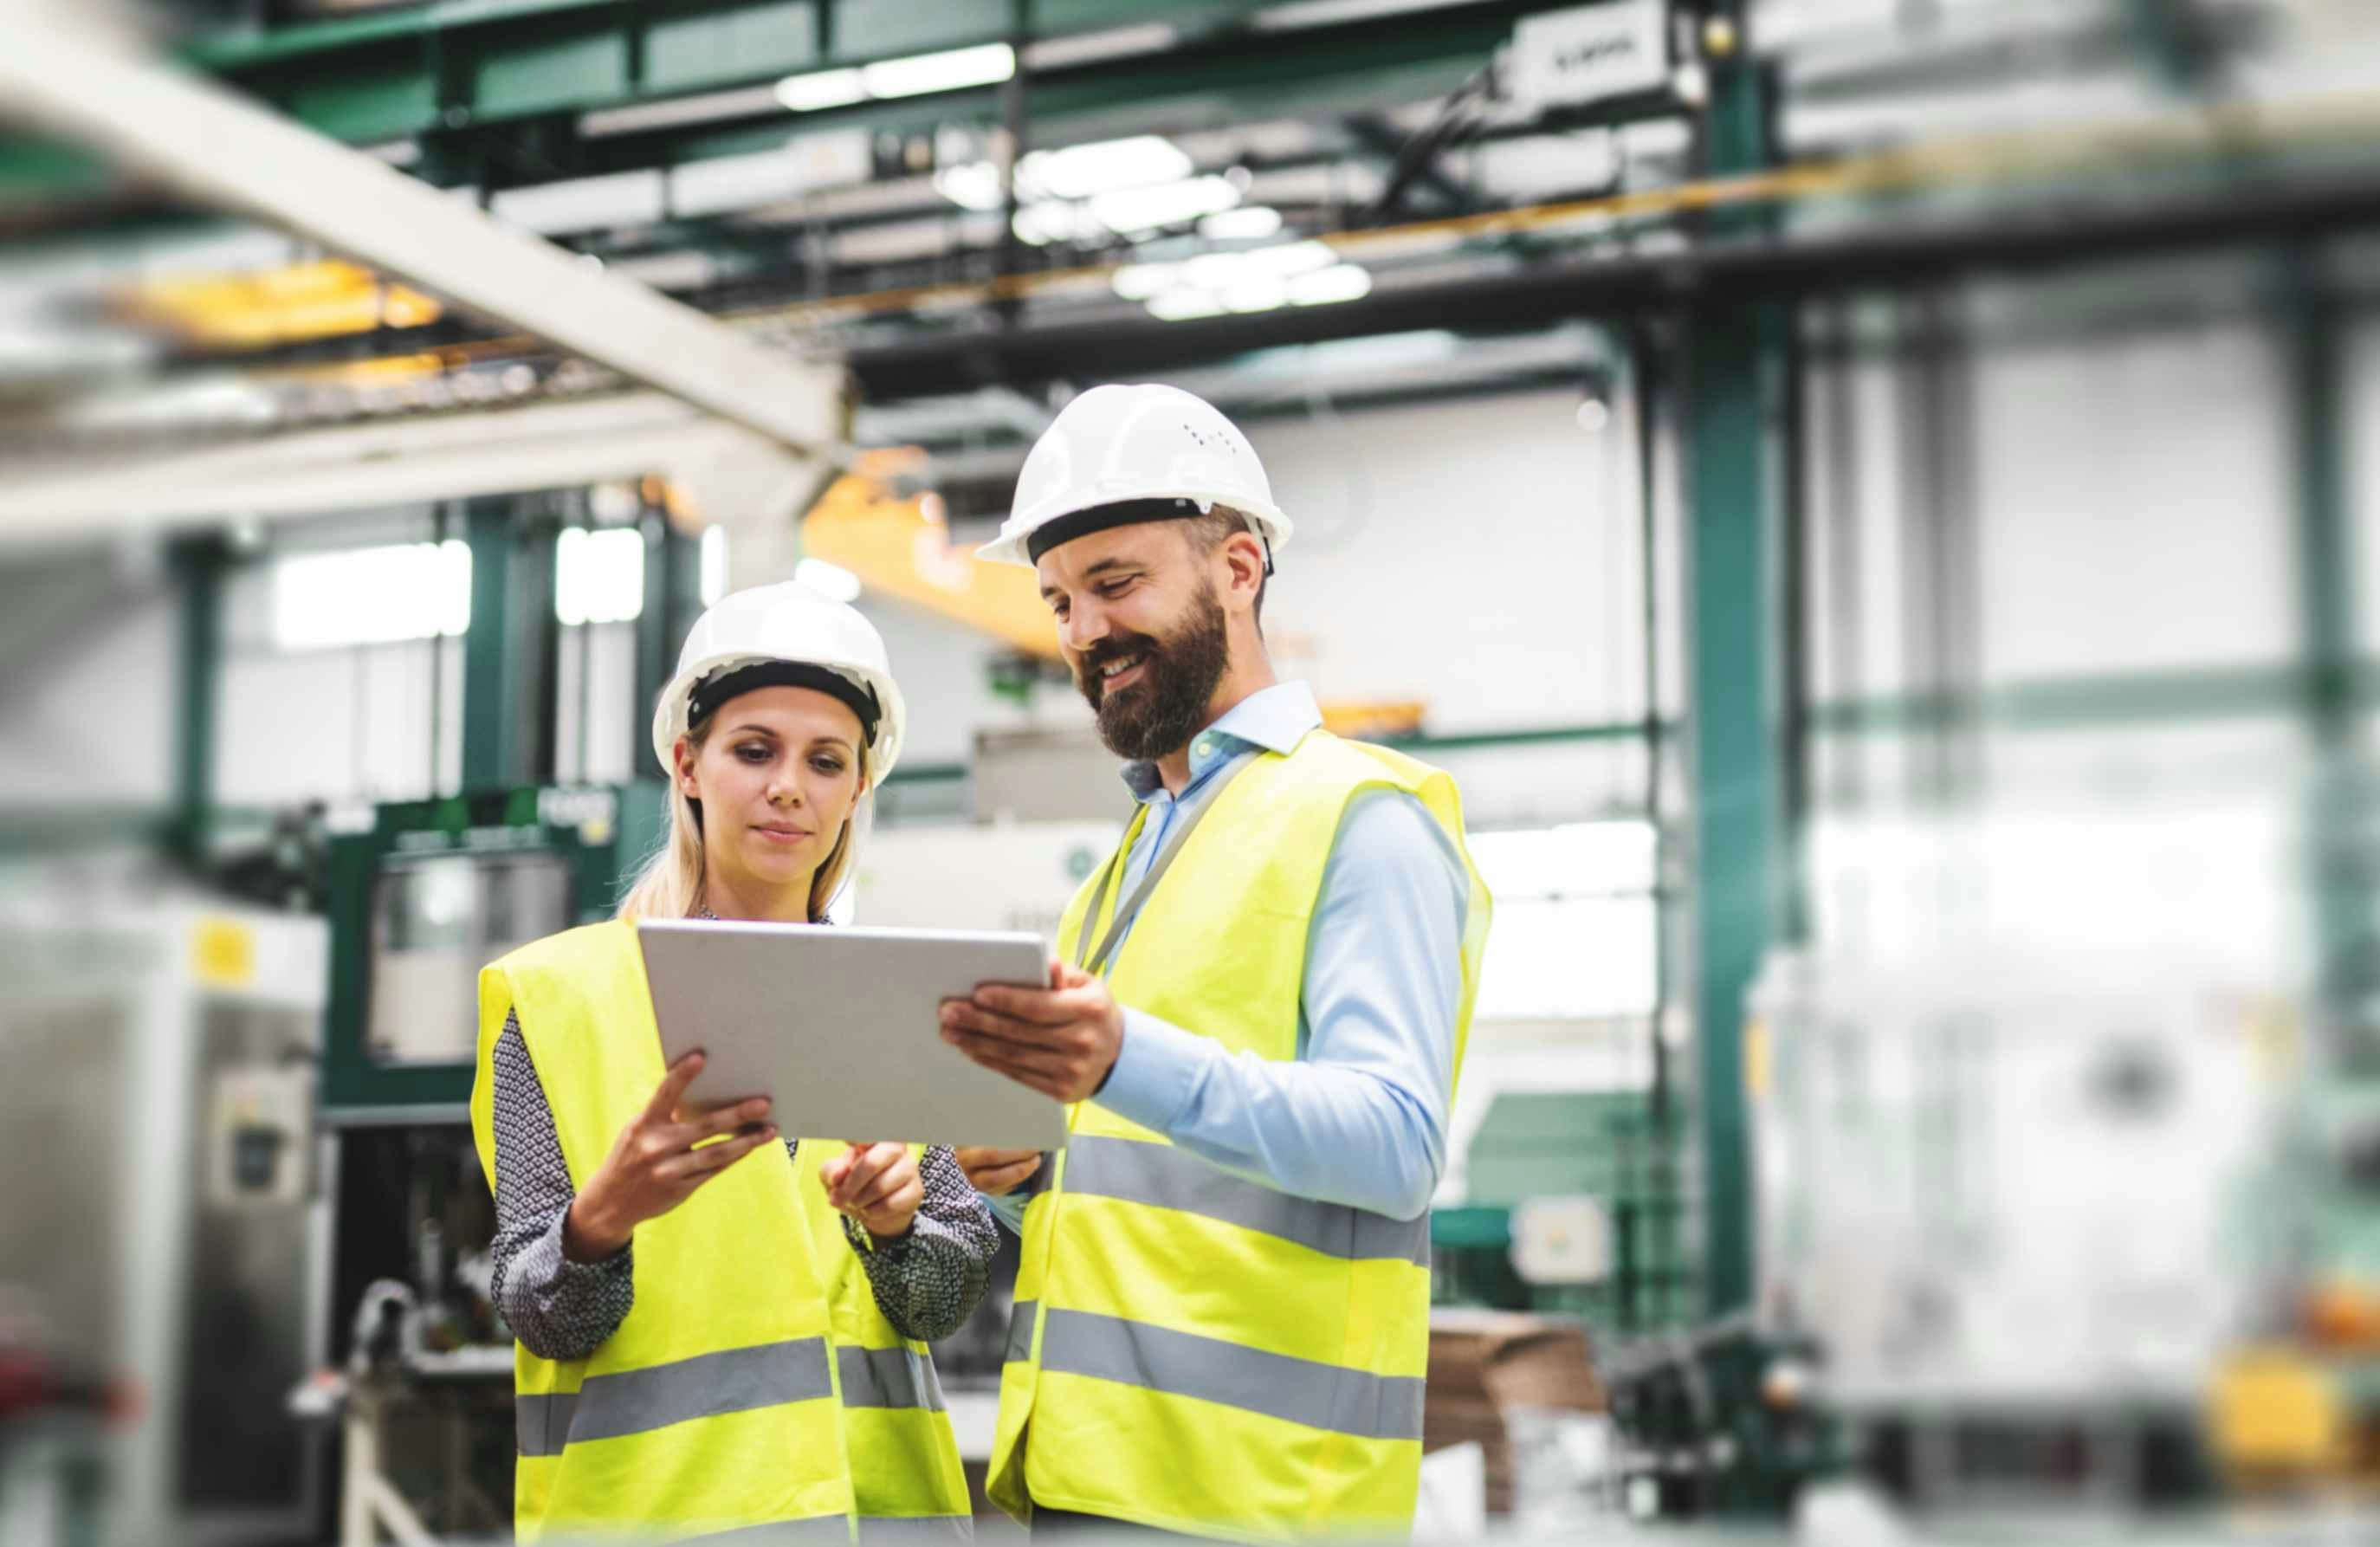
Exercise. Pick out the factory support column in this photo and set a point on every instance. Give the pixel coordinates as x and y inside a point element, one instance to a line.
<point>1735,356</point>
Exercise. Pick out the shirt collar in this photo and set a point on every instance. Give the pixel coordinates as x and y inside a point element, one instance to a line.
<point>1275,719</point>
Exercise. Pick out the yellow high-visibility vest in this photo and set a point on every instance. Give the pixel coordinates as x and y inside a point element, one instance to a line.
<point>754,1382</point>
<point>1193,1351</point>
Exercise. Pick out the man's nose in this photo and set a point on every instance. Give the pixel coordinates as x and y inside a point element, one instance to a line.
<point>1086,626</point>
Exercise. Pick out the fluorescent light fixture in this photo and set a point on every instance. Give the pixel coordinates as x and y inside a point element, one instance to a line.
<point>1141,282</point>
<point>1055,221</point>
<point>1346,281</point>
<point>688,268</point>
<point>830,580</point>
<point>1302,14</point>
<point>1656,137</point>
<point>951,70</point>
<point>1289,258</point>
<point>821,89</point>
<point>1104,166</point>
<point>1257,292</point>
<point>745,101</point>
<point>1183,304</point>
<point>1145,209</point>
<point>584,203</point>
<point>716,185</point>
<point>1091,48</point>
<point>971,185</point>
<point>1305,274</point>
<point>1212,271</point>
<point>1254,222</point>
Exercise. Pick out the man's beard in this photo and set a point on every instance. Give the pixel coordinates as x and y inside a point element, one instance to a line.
<point>1160,713</point>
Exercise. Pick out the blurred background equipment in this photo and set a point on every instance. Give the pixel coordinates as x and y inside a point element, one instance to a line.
<point>159,1058</point>
<point>1866,496</point>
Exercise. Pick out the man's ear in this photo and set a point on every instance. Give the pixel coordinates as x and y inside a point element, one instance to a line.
<point>1243,553</point>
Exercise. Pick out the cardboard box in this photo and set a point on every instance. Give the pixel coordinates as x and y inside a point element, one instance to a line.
<point>1483,1362</point>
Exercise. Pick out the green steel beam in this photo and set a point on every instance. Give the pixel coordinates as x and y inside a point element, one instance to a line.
<point>851,31</point>
<point>926,773</point>
<point>452,67</point>
<point>243,47</point>
<point>2324,521</point>
<point>1321,71</point>
<point>488,528</point>
<point>509,649</point>
<point>2053,704</point>
<point>491,88</point>
<point>32,168</point>
<point>1551,736</point>
<point>672,601</point>
<point>1732,520</point>
<point>201,564</point>
<point>2346,926</point>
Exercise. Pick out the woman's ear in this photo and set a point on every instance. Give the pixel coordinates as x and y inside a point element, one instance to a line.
<point>682,754</point>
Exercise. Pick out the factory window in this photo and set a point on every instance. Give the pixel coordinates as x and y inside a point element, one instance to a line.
<point>599,576</point>
<point>1576,928</point>
<point>408,590</point>
<point>713,563</point>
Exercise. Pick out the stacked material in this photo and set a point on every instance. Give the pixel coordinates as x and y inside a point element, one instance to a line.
<point>1483,1365</point>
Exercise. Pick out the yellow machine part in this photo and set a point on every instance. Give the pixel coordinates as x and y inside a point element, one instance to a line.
<point>901,547</point>
<point>2275,1412</point>
<point>325,299</point>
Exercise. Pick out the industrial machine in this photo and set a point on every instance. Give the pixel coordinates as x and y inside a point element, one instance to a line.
<point>414,1366</point>
<point>2018,1215</point>
<point>433,892</point>
<point>157,1079</point>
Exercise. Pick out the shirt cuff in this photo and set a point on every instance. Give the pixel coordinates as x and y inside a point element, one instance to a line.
<point>548,1266</point>
<point>1008,1208</point>
<point>867,1245</point>
<point>1156,1071</point>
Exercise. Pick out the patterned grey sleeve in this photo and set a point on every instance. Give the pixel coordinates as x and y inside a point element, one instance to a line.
<point>559,1310</point>
<point>929,1280</point>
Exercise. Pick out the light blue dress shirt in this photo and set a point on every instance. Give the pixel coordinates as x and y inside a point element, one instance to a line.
<point>1360,1118</point>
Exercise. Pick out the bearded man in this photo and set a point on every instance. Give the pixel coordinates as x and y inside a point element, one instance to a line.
<point>1259,1009</point>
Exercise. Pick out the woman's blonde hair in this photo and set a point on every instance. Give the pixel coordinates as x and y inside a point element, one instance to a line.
<point>671,885</point>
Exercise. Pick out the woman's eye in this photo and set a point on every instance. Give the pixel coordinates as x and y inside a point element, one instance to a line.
<point>826,765</point>
<point>753,753</point>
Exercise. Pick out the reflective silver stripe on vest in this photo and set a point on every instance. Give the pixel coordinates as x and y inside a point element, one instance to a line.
<point>824,1527</point>
<point>636,1401</point>
<point>940,1529</point>
<point>1167,1177</point>
<point>1020,1331</point>
<point>541,1424</point>
<point>888,1378</point>
<point>1184,1364</point>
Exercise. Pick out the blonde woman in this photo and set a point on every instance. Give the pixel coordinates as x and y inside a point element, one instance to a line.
<point>720,1327</point>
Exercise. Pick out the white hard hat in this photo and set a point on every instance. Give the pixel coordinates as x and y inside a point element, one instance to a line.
<point>793,627</point>
<point>1118,447</point>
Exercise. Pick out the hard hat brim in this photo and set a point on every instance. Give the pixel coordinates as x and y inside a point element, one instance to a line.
<point>1015,542</point>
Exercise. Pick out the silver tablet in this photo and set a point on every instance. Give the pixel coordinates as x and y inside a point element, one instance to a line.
<point>840,1027</point>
